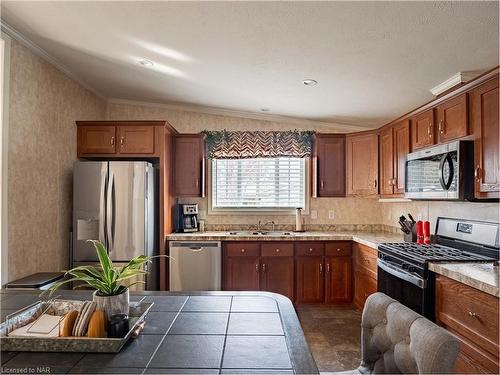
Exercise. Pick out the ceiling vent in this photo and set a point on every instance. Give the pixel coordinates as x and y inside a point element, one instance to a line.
<point>454,80</point>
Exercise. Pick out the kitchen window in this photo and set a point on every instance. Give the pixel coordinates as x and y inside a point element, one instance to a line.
<point>258,184</point>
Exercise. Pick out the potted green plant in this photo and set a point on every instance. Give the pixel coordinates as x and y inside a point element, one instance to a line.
<point>111,294</point>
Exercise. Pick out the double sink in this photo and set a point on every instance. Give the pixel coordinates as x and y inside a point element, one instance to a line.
<point>257,233</point>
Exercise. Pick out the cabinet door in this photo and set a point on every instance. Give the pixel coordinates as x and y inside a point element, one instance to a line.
<point>422,130</point>
<point>188,174</point>
<point>96,140</point>
<point>484,117</point>
<point>362,164</point>
<point>386,161</point>
<point>364,285</point>
<point>277,275</point>
<point>310,279</point>
<point>401,135</point>
<point>452,119</point>
<point>338,279</point>
<point>136,139</point>
<point>330,154</point>
<point>242,273</point>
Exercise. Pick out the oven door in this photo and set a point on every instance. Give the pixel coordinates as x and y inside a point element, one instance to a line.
<point>407,288</point>
<point>433,173</point>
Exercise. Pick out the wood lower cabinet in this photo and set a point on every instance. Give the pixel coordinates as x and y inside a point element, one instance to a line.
<point>472,316</point>
<point>338,279</point>
<point>310,279</point>
<point>365,273</point>
<point>484,122</point>
<point>452,119</point>
<point>277,275</point>
<point>241,266</point>
<point>423,129</point>
<point>362,164</point>
<point>329,162</point>
<point>189,164</point>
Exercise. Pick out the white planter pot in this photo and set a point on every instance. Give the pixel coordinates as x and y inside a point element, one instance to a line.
<point>111,305</point>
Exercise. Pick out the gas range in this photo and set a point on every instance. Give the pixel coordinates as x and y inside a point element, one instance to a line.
<point>403,271</point>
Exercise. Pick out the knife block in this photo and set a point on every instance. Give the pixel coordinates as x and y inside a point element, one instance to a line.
<point>411,237</point>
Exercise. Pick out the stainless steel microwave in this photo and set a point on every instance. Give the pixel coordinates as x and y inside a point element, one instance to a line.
<point>443,172</point>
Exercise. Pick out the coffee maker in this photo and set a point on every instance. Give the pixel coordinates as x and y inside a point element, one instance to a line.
<point>187,218</point>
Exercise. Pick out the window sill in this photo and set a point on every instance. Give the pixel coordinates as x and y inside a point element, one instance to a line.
<point>254,211</point>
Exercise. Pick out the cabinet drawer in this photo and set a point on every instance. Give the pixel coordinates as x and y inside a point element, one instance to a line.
<point>277,249</point>
<point>309,249</point>
<point>338,249</point>
<point>468,312</point>
<point>242,249</point>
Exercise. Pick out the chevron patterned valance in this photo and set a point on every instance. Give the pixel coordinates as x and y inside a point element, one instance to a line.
<point>257,144</point>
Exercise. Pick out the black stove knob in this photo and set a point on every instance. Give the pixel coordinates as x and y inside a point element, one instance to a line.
<point>405,266</point>
<point>411,269</point>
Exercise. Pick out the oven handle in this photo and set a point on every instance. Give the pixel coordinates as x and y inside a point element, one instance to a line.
<point>421,283</point>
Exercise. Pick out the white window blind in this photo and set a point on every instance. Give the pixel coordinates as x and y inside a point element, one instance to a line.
<point>258,183</point>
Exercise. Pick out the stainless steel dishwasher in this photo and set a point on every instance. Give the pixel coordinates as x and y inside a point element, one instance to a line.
<point>195,265</point>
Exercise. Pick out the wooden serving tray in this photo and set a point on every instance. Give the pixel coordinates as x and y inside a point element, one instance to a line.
<point>137,315</point>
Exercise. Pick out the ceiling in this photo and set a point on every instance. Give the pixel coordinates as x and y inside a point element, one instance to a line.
<point>373,60</point>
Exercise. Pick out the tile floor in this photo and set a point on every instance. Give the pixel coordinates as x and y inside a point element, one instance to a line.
<point>333,335</point>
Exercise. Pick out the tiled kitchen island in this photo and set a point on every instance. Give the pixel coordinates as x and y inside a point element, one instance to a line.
<point>199,332</point>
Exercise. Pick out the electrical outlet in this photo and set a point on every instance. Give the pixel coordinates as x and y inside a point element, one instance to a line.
<point>331,214</point>
<point>314,214</point>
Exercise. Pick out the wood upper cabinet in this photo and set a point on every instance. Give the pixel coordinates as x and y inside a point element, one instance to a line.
<point>96,139</point>
<point>310,279</point>
<point>386,161</point>
<point>329,158</point>
<point>401,149</point>
<point>452,119</point>
<point>362,164</point>
<point>422,129</point>
<point>189,164</point>
<point>136,140</point>
<point>394,147</point>
<point>484,122</point>
<point>241,266</point>
<point>120,138</point>
<point>472,316</point>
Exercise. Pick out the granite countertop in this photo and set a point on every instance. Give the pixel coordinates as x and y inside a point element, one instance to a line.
<point>371,239</point>
<point>482,276</point>
<point>186,332</point>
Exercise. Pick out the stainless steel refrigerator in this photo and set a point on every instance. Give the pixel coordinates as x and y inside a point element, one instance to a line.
<point>114,202</point>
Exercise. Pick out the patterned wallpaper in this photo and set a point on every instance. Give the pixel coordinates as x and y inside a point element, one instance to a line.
<point>44,104</point>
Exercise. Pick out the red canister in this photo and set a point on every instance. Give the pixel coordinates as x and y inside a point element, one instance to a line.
<point>427,232</point>
<point>420,232</point>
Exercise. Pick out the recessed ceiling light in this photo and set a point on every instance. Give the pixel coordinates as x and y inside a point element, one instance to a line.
<point>310,82</point>
<point>264,109</point>
<point>145,62</point>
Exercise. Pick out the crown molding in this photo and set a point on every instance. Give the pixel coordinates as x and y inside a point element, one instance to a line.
<point>37,50</point>
<point>456,79</point>
<point>330,126</point>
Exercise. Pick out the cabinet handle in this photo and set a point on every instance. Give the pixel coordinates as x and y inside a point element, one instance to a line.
<point>328,267</point>
<point>429,130</point>
<point>441,127</point>
<point>375,184</point>
<point>243,250</point>
<point>394,181</point>
<point>338,250</point>
<point>277,250</point>
<point>473,315</point>
<point>263,267</point>
<point>310,250</point>
<point>477,173</point>
<point>322,184</point>
<point>112,141</point>
<point>197,183</point>
<point>257,267</point>
<point>320,268</point>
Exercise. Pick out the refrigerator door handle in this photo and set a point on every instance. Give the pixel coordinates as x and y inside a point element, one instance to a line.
<point>110,212</point>
<point>102,209</point>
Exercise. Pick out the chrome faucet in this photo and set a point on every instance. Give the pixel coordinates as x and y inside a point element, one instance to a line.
<point>273,224</point>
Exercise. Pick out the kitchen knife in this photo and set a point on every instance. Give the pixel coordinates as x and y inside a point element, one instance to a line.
<point>411,218</point>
